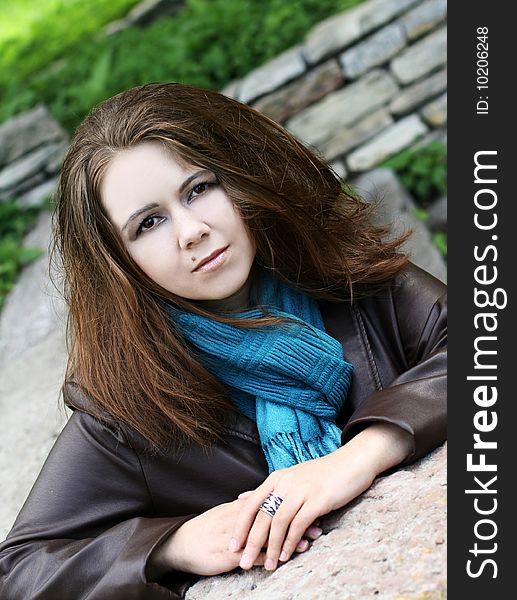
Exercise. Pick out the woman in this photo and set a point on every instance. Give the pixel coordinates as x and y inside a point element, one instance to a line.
<point>246,353</point>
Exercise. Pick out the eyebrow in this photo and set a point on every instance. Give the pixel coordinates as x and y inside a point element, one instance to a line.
<point>190,178</point>
<point>147,207</point>
<point>139,212</point>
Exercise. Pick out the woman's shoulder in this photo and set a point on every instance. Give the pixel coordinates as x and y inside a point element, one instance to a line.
<point>88,417</point>
<point>418,295</point>
<point>78,400</point>
<point>411,290</point>
<point>413,281</point>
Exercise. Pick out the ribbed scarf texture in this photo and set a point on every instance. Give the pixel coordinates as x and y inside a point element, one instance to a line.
<point>291,380</point>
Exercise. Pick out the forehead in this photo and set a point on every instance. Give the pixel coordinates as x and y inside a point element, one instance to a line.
<point>138,175</point>
<point>148,157</point>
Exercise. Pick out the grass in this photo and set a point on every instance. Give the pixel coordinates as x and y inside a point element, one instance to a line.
<point>35,33</point>
<point>422,171</point>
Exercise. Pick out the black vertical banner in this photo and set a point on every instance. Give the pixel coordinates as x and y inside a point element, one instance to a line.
<point>482,267</point>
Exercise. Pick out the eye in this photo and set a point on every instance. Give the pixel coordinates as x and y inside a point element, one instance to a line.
<point>199,189</point>
<point>147,223</point>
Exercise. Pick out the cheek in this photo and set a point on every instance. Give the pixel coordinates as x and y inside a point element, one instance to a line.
<point>153,256</point>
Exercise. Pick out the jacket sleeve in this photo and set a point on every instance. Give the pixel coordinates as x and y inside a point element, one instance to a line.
<point>87,527</point>
<point>415,398</point>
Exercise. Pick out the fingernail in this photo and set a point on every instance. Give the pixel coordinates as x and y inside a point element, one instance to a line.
<point>232,546</point>
<point>283,556</point>
<point>246,561</point>
<point>302,544</point>
<point>315,531</point>
<point>269,564</point>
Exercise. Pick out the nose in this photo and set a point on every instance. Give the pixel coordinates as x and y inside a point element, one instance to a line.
<point>191,230</point>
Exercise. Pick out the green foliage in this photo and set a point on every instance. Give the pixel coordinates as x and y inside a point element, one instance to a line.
<point>439,237</point>
<point>208,44</point>
<point>423,172</point>
<point>34,34</point>
<point>440,241</point>
<point>420,214</point>
<point>14,223</point>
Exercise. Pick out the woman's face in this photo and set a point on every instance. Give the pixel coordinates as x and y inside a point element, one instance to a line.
<point>177,223</point>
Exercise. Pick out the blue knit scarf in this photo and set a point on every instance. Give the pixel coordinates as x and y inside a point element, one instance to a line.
<point>291,380</point>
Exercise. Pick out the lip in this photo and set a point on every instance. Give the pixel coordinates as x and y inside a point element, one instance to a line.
<point>212,261</point>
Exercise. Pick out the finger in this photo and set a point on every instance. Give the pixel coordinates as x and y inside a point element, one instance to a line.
<point>245,494</point>
<point>279,525</point>
<point>303,518</point>
<point>313,532</point>
<point>257,538</point>
<point>248,513</point>
<point>302,546</point>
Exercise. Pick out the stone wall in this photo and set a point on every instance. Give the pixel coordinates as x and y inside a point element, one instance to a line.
<point>364,84</point>
<point>32,146</point>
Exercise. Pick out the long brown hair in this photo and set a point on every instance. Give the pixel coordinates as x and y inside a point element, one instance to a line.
<point>124,352</point>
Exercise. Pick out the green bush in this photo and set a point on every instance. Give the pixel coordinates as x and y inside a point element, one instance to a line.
<point>208,44</point>
<point>34,34</point>
<point>423,172</point>
<point>440,241</point>
<point>15,221</point>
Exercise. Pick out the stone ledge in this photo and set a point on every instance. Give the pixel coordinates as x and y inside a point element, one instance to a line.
<point>31,419</point>
<point>272,75</point>
<point>340,31</point>
<point>26,132</point>
<point>421,58</point>
<point>17,176</point>
<point>396,207</point>
<point>388,544</point>
<point>391,140</point>
<point>317,124</point>
<point>34,308</point>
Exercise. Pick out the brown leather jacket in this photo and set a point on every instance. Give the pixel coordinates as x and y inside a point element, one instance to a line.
<point>101,505</point>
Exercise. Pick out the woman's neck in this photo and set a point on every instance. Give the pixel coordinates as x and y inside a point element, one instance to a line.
<point>239,301</point>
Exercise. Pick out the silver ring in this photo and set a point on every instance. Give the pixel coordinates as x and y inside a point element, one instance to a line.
<point>271,504</point>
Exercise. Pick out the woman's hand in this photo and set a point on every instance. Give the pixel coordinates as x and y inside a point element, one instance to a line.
<point>201,544</point>
<point>312,489</point>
